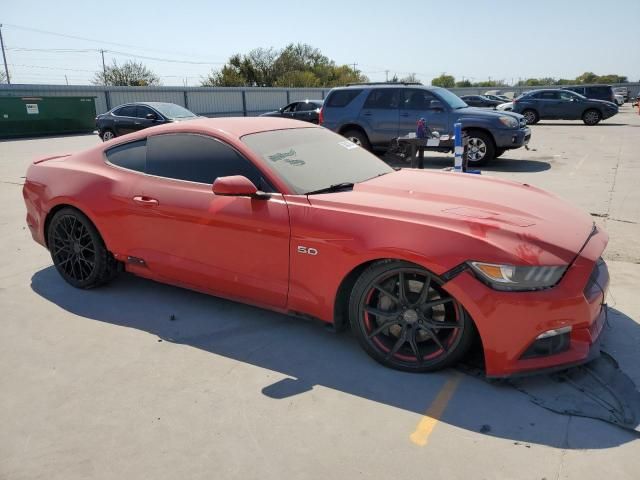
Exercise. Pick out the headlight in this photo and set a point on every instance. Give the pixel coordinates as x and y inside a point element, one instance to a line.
<point>508,122</point>
<point>518,278</point>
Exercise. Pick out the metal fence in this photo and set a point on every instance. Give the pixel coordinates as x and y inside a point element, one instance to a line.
<point>215,101</point>
<point>207,101</point>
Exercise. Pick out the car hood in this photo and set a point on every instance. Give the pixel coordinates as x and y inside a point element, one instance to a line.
<point>526,225</point>
<point>468,112</point>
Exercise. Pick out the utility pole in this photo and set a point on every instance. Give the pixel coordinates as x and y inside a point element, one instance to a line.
<point>104,69</point>
<point>386,74</point>
<point>354,67</point>
<point>66,79</point>
<point>4,57</point>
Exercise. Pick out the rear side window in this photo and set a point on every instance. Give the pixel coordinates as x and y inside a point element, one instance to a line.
<point>599,91</point>
<point>384,98</point>
<point>196,158</point>
<point>342,98</point>
<point>131,156</point>
<point>305,107</point>
<point>128,111</point>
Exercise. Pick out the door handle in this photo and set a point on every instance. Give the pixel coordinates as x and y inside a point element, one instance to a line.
<point>367,114</point>
<point>404,114</point>
<point>145,201</point>
<point>136,123</point>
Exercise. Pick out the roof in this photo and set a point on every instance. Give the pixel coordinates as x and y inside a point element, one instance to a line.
<point>235,127</point>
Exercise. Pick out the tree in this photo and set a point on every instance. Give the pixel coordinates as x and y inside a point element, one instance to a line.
<point>411,78</point>
<point>296,65</point>
<point>463,84</point>
<point>3,77</point>
<point>612,78</point>
<point>131,74</point>
<point>587,77</point>
<point>444,80</point>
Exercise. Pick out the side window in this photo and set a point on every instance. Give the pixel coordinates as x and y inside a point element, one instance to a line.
<point>420,99</point>
<point>289,108</point>
<point>132,156</point>
<point>548,95</point>
<point>128,111</point>
<point>305,107</point>
<point>142,111</point>
<point>383,98</point>
<point>567,96</point>
<point>197,158</point>
<point>342,98</point>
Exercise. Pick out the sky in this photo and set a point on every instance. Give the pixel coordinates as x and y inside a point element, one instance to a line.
<point>183,41</point>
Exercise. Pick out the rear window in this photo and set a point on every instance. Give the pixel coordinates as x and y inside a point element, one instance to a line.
<point>342,98</point>
<point>132,156</point>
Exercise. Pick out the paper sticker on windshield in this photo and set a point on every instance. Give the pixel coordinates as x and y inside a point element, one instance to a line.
<point>348,144</point>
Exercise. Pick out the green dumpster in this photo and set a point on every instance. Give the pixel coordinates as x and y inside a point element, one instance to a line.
<point>33,116</point>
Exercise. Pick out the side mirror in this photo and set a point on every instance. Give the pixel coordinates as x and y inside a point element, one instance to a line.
<point>151,116</point>
<point>236,186</point>
<point>281,109</point>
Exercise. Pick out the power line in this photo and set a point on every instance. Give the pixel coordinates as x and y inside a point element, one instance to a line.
<point>158,59</point>
<point>94,40</point>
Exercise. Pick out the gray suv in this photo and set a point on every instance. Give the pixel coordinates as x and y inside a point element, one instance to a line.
<point>372,115</point>
<point>560,104</point>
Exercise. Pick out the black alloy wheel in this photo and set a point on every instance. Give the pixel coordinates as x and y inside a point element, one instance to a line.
<point>404,319</point>
<point>77,250</point>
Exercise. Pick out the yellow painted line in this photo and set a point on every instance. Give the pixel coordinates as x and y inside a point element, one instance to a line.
<point>431,417</point>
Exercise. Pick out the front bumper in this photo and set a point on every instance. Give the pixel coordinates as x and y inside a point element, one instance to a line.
<point>506,138</point>
<point>510,322</point>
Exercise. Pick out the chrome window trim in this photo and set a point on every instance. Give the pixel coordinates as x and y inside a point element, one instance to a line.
<point>106,159</point>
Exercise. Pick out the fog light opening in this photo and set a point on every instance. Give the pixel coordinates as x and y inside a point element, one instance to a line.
<point>550,342</point>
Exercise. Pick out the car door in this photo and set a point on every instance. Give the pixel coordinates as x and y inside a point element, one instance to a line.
<point>380,115</point>
<point>419,103</point>
<point>141,118</point>
<point>236,247</point>
<point>570,105</point>
<point>124,120</point>
<point>549,105</point>
<point>305,111</point>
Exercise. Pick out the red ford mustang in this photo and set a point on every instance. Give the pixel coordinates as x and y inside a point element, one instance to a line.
<point>294,218</point>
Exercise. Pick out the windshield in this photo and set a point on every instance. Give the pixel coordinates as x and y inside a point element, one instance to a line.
<point>450,98</point>
<point>171,110</point>
<point>310,159</point>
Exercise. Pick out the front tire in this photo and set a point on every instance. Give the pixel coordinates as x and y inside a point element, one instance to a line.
<point>500,152</point>
<point>78,251</point>
<point>405,320</point>
<point>480,148</point>
<point>591,117</point>
<point>359,138</point>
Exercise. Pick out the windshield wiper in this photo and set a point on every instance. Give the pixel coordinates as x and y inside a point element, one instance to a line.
<point>336,187</point>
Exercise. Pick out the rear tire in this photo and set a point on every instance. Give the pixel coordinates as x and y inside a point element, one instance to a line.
<point>591,117</point>
<point>107,134</point>
<point>531,116</point>
<point>416,327</point>
<point>359,138</point>
<point>78,251</point>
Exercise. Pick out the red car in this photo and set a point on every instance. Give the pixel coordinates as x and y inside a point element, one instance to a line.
<point>292,217</point>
